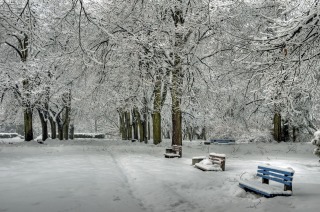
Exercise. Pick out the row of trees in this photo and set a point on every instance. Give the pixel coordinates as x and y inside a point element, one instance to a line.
<point>147,68</point>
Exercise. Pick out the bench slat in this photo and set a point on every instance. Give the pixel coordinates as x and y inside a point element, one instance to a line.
<point>281,177</point>
<point>216,161</point>
<point>275,179</point>
<point>276,170</point>
<point>216,158</point>
<point>254,190</point>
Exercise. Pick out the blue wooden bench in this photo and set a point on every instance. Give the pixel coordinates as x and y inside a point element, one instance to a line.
<point>266,172</point>
<point>223,141</point>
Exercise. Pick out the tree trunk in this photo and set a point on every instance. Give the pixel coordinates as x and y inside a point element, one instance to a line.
<point>60,131</point>
<point>295,131</point>
<point>145,119</point>
<point>135,123</point>
<point>156,117</point>
<point>145,127</point>
<point>184,134</point>
<point>277,127</point>
<point>177,76</point>
<point>176,111</point>
<point>286,134</point>
<point>203,134</point>
<point>156,120</point>
<point>28,130</point>
<point>128,125</point>
<point>149,129</point>
<point>66,122</point>
<point>71,131</point>
<point>66,116</point>
<point>53,128</point>
<point>190,133</point>
<point>123,127</point>
<point>168,134</point>
<point>140,124</point>
<point>44,125</point>
<point>120,124</point>
<point>60,127</point>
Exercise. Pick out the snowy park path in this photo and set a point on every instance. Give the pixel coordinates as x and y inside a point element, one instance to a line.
<point>116,176</point>
<point>63,180</point>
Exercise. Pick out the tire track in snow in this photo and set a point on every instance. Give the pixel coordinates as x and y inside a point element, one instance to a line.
<point>159,192</point>
<point>126,180</point>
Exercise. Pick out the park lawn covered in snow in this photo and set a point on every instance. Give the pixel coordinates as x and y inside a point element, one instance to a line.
<point>107,175</point>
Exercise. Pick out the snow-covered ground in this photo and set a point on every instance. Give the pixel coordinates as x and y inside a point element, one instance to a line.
<point>89,175</point>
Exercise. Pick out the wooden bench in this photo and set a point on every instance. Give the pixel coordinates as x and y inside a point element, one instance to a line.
<point>219,159</point>
<point>218,163</point>
<point>223,141</point>
<point>174,152</point>
<point>277,174</point>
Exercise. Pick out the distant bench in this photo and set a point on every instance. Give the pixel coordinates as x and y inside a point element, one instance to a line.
<point>89,135</point>
<point>222,141</point>
<point>280,175</point>
<point>174,152</point>
<point>10,135</point>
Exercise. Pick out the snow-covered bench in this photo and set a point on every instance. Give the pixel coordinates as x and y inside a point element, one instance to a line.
<point>174,152</point>
<point>216,162</point>
<point>277,174</point>
<point>10,135</point>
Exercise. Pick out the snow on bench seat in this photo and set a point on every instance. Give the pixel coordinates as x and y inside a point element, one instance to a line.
<point>197,159</point>
<point>217,155</point>
<point>207,165</point>
<point>171,155</point>
<point>264,189</point>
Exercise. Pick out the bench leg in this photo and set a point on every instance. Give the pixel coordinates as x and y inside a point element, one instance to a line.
<point>287,188</point>
<point>223,165</point>
<point>265,181</point>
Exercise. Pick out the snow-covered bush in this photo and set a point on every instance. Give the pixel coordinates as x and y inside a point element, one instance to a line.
<point>256,137</point>
<point>316,141</point>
